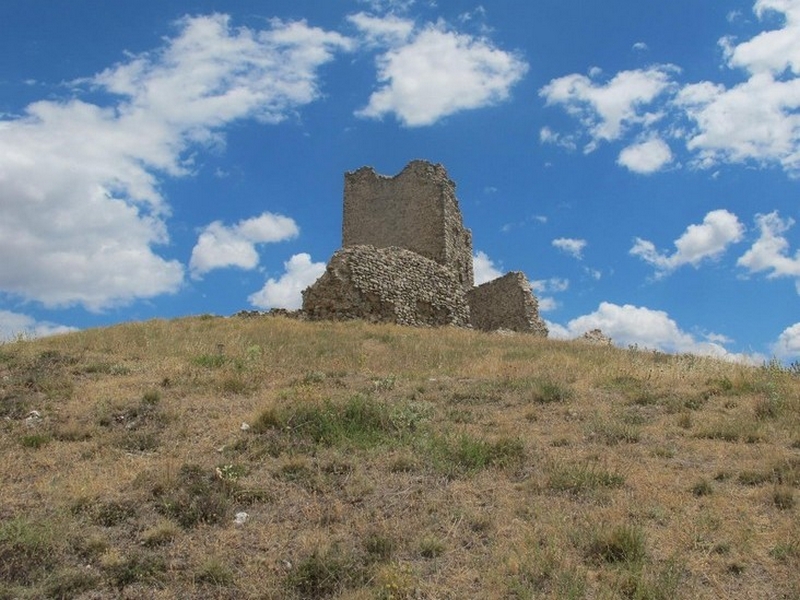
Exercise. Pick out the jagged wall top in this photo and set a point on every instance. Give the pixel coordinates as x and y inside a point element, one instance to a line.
<point>416,209</point>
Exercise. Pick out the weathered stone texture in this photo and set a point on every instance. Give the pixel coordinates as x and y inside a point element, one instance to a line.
<point>596,336</point>
<point>391,285</point>
<point>506,303</point>
<point>417,209</point>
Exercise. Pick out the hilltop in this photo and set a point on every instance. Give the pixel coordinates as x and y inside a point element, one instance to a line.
<point>273,458</point>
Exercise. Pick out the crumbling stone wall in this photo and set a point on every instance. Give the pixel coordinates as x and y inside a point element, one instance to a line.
<point>506,303</point>
<point>390,285</point>
<point>417,209</point>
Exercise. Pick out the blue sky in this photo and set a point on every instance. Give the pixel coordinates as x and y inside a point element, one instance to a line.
<point>639,161</point>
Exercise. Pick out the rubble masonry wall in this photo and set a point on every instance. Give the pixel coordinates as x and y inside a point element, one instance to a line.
<point>506,303</point>
<point>388,285</point>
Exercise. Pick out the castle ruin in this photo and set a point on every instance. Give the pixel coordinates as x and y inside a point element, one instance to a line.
<point>406,258</point>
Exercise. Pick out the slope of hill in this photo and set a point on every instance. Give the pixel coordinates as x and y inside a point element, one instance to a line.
<point>272,458</point>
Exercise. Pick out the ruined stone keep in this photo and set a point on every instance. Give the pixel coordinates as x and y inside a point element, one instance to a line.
<point>416,209</point>
<point>407,259</point>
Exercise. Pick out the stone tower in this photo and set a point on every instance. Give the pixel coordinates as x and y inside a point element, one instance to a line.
<point>417,209</point>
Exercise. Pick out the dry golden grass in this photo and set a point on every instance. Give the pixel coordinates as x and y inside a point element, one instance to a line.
<point>390,463</point>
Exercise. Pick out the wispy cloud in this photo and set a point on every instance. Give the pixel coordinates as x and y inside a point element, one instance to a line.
<point>572,246</point>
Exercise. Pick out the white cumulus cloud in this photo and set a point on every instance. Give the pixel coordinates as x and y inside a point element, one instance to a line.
<point>629,325</point>
<point>646,157</point>
<point>754,121</point>
<point>15,325</point>
<point>219,246</point>
<point>705,241</point>
<point>434,72</point>
<point>573,247</point>
<point>788,345</point>
<point>286,291</point>
<point>82,214</point>
<point>771,251</point>
<point>484,268</point>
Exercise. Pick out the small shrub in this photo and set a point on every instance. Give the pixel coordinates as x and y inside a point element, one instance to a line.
<point>395,582</point>
<point>770,407</point>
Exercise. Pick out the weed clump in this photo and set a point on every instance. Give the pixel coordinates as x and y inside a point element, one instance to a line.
<point>197,497</point>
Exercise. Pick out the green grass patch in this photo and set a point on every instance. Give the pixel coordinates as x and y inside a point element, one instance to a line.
<point>360,421</point>
<point>621,544</point>
<point>465,454</point>
<point>733,430</point>
<point>28,550</point>
<point>581,478</point>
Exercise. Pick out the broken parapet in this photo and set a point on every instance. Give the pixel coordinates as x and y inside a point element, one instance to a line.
<point>387,285</point>
<point>596,336</point>
<point>417,209</point>
<point>506,303</point>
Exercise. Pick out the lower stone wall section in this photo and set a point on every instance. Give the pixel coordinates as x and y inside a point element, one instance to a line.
<point>506,303</point>
<point>389,285</point>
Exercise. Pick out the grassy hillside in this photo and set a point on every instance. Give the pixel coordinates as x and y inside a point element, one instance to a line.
<point>271,458</point>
